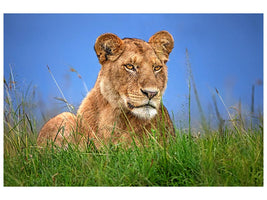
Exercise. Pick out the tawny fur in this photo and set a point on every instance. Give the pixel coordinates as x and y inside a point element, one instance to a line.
<point>133,75</point>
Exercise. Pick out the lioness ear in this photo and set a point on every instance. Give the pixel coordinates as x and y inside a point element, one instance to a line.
<point>108,47</point>
<point>162,42</point>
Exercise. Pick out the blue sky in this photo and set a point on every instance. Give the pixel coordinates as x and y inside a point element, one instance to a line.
<point>225,52</point>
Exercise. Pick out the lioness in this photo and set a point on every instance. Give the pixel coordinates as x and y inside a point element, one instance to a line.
<point>126,99</point>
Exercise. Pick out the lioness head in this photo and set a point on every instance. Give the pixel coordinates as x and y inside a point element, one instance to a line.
<point>134,72</point>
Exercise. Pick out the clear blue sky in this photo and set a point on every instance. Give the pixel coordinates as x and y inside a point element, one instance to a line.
<point>226,52</point>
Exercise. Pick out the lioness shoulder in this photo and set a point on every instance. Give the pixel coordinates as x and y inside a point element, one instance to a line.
<point>126,98</point>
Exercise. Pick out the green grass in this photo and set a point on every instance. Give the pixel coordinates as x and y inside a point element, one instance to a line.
<point>210,160</point>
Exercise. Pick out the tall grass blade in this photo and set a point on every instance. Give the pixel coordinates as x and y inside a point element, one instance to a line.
<point>80,77</point>
<point>55,81</point>
<point>191,80</point>
<point>229,114</point>
<point>219,117</point>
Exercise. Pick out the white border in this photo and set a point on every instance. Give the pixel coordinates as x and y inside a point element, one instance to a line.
<point>136,6</point>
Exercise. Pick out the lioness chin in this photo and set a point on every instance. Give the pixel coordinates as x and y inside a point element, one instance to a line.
<point>125,102</point>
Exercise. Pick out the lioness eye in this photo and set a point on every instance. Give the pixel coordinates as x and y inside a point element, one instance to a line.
<point>157,68</point>
<point>129,67</point>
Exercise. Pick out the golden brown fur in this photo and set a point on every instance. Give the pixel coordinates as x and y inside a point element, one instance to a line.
<point>126,98</point>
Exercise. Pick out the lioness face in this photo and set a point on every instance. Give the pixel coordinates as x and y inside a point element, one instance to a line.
<point>142,78</point>
<point>134,73</point>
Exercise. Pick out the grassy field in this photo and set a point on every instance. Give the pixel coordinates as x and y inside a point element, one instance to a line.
<point>229,156</point>
<point>236,160</point>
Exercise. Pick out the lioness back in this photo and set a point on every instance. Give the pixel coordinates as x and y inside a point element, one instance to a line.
<point>126,98</point>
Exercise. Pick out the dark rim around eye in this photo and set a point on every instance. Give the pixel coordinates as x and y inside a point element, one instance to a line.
<point>157,68</point>
<point>129,67</point>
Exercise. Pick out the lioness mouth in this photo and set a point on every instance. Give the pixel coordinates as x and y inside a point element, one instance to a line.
<point>145,105</point>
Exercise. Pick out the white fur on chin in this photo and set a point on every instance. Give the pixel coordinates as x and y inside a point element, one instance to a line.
<point>145,112</point>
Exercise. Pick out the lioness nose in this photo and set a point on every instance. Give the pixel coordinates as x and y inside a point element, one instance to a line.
<point>150,94</point>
